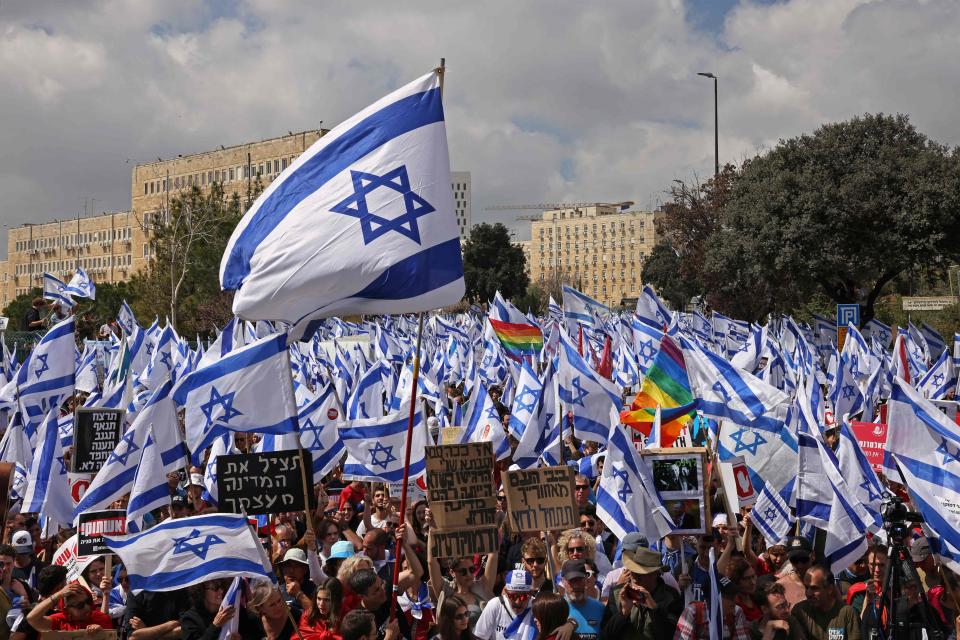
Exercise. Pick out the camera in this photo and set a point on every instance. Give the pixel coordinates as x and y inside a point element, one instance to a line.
<point>895,518</point>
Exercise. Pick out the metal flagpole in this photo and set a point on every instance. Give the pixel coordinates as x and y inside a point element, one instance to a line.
<point>406,463</point>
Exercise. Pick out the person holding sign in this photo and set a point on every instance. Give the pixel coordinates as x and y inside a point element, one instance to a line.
<point>76,612</point>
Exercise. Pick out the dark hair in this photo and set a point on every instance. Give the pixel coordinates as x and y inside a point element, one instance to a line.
<point>50,579</point>
<point>736,568</point>
<point>416,524</point>
<point>775,589</point>
<point>336,602</point>
<point>828,578</point>
<point>361,581</point>
<point>446,620</point>
<point>29,522</point>
<point>8,550</point>
<point>195,591</point>
<point>324,525</point>
<point>551,611</point>
<point>588,510</point>
<point>356,624</point>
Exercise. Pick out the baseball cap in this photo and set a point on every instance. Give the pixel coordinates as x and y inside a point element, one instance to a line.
<point>295,555</point>
<point>574,569</point>
<point>727,587</point>
<point>642,561</point>
<point>920,550</point>
<point>519,581</point>
<point>179,501</point>
<point>633,540</point>
<point>196,479</point>
<point>341,549</point>
<point>22,542</point>
<point>797,547</point>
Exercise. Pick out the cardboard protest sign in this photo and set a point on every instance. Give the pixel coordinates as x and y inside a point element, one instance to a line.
<point>66,556</point>
<point>102,634</point>
<point>872,437</point>
<point>96,433</point>
<point>93,525</point>
<point>541,499</point>
<point>262,483</point>
<point>679,478</point>
<point>462,499</point>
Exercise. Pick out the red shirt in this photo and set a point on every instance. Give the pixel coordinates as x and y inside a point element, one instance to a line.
<point>355,496</point>
<point>319,631</point>
<point>59,621</point>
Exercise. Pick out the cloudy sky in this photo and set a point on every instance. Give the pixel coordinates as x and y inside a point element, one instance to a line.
<point>545,101</point>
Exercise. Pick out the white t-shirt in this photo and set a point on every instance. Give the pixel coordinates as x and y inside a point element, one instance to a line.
<point>375,521</point>
<point>496,616</point>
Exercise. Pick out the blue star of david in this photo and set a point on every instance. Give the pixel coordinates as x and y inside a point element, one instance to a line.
<point>63,466</point>
<point>624,489</point>
<point>308,427</point>
<point>737,437</point>
<point>948,456</point>
<point>720,389</point>
<point>149,350</point>
<point>868,487</point>
<point>373,226</point>
<point>223,400</point>
<point>42,366</point>
<point>487,359</point>
<point>387,452</point>
<point>182,545</point>
<point>916,353</point>
<point>848,391</point>
<point>165,360</point>
<point>938,379</point>
<point>491,412</point>
<point>580,392</point>
<point>526,406</point>
<point>646,350</point>
<point>130,448</point>
<point>744,347</point>
<point>770,514</point>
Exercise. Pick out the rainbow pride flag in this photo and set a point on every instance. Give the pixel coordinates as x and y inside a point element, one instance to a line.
<point>518,339</point>
<point>667,385</point>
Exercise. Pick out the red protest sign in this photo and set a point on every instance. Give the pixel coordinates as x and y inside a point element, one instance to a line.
<point>872,437</point>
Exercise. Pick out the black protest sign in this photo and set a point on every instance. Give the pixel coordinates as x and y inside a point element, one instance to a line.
<point>462,499</point>
<point>541,499</point>
<point>261,483</point>
<point>93,525</point>
<point>96,433</point>
<point>465,542</point>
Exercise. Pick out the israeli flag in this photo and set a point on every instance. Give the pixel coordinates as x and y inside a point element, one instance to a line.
<point>81,285</point>
<point>48,490</point>
<point>161,362</point>
<point>126,319</point>
<point>646,342</point>
<point>150,490</point>
<point>187,551</point>
<point>47,375</point>
<point>366,398</point>
<point>541,434</point>
<point>594,401</point>
<point>652,309</point>
<point>939,379</point>
<point>117,475</point>
<point>318,432</point>
<point>361,223</point>
<point>250,389</point>
<point>579,308</point>
<point>232,598</point>
<point>525,401</point>
<point>376,447</point>
<point>484,425</point>
<point>55,289</point>
<point>221,446</point>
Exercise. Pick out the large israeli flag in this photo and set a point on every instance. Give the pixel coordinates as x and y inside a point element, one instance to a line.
<point>376,447</point>
<point>593,400</point>
<point>250,389</point>
<point>183,552</point>
<point>47,376</point>
<point>362,222</point>
<point>318,431</point>
<point>48,491</point>
<point>55,289</point>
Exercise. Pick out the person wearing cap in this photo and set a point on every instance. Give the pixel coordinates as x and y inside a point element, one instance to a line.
<point>180,507</point>
<point>694,623</point>
<point>13,591</point>
<point>26,565</point>
<point>642,606</point>
<point>295,570</point>
<point>822,615</point>
<point>924,563</point>
<point>499,613</point>
<point>801,557</point>
<point>586,611</point>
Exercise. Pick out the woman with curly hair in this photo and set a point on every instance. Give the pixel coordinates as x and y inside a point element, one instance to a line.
<point>575,544</point>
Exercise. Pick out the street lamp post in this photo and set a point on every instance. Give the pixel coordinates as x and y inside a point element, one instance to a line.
<point>716,134</point>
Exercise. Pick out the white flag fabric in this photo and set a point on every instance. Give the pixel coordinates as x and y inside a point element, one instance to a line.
<point>48,490</point>
<point>249,389</point>
<point>186,551</point>
<point>47,375</point>
<point>593,400</point>
<point>81,285</point>
<point>319,434</point>
<point>150,490</point>
<point>362,222</point>
<point>55,289</point>
<point>376,447</point>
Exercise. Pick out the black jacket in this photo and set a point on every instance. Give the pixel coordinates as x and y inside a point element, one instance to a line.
<point>197,624</point>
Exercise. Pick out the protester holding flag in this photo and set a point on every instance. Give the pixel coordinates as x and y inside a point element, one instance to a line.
<point>205,619</point>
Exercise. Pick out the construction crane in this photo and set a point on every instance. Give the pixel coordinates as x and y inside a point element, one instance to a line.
<point>547,206</point>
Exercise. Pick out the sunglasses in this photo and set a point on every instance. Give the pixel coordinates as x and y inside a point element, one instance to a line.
<point>539,560</point>
<point>576,549</point>
<point>587,523</point>
<point>582,487</point>
<point>501,498</point>
<point>462,616</point>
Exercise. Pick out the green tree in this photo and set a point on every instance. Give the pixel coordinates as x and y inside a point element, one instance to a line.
<point>491,262</point>
<point>17,308</point>
<point>662,269</point>
<point>843,211</point>
<point>187,243</point>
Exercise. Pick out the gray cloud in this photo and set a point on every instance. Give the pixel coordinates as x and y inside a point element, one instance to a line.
<point>546,101</point>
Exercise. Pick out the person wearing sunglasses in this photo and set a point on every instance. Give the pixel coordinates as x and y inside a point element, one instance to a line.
<point>76,612</point>
<point>506,614</point>
<point>534,557</point>
<point>454,620</point>
<point>204,619</point>
<point>588,612</point>
<point>801,557</point>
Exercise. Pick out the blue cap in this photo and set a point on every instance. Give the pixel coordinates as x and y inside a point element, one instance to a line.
<point>341,549</point>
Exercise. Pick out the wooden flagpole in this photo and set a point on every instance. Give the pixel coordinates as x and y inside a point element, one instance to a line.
<point>406,461</point>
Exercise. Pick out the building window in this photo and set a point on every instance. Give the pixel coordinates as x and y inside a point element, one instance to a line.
<point>231,175</point>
